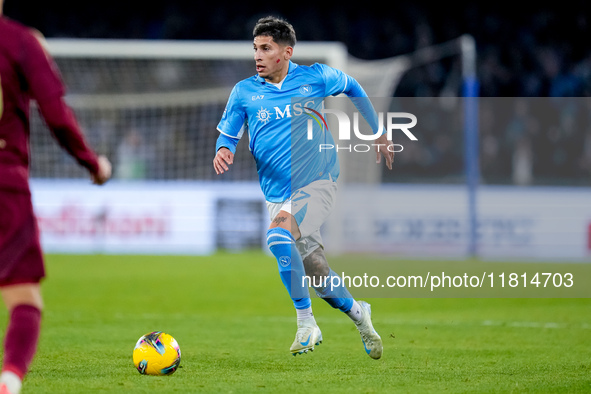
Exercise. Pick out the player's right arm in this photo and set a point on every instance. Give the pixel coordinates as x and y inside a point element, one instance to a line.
<point>223,158</point>
<point>231,127</point>
<point>104,171</point>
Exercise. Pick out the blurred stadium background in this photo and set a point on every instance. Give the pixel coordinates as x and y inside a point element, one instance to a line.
<point>155,117</point>
<point>149,81</point>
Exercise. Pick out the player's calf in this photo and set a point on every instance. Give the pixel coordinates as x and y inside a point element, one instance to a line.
<point>327,284</point>
<point>290,265</point>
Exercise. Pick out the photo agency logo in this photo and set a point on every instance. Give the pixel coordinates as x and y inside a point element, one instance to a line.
<point>345,126</point>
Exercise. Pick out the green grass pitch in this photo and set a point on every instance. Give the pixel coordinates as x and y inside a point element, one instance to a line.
<point>234,324</point>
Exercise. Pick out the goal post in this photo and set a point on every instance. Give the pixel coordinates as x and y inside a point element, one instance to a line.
<point>333,53</point>
<point>470,90</point>
<point>380,79</point>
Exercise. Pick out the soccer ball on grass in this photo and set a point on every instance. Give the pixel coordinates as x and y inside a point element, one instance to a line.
<point>156,353</point>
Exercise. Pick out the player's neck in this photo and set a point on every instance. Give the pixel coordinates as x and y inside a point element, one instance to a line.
<point>279,83</point>
<point>278,77</point>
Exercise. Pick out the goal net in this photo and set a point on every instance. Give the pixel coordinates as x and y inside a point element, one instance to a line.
<point>153,107</point>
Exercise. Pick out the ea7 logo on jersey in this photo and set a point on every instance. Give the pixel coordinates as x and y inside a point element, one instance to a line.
<point>258,97</point>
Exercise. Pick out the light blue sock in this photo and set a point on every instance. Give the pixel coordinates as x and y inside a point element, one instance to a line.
<point>290,264</point>
<point>335,293</point>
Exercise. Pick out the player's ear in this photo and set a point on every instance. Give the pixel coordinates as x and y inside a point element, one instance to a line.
<point>288,52</point>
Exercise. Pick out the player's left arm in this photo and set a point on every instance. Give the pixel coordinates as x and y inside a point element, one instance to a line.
<point>338,82</point>
<point>47,88</point>
<point>384,147</point>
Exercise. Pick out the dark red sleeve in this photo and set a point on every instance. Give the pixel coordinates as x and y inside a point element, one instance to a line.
<point>41,72</point>
<point>47,89</point>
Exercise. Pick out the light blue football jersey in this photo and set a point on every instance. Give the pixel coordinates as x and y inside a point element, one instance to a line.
<point>276,121</point>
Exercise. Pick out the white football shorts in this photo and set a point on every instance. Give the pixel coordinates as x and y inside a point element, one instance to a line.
<point>310,206</point>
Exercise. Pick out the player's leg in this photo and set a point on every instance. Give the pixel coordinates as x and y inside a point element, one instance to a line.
<point>326,282</point>
<point>281,242</point>
<point>335,293</point>
<point>21,270</point>
<point>311,207</point>
<point>24,305</point>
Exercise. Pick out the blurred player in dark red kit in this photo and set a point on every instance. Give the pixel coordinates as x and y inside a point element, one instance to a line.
<point>28,72</point>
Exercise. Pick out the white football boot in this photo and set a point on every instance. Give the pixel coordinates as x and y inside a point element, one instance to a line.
<point>372,342</point>
<point>307,336</point>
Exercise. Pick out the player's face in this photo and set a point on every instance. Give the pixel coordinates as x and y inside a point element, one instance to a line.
<point>271,59</point>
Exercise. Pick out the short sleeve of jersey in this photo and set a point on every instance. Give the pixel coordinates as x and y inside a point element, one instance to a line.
<point>42,74</point>
<point>233,122</point>
<point>335,80</point>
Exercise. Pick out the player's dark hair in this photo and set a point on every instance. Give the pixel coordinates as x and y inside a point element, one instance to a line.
<point>279,29</point>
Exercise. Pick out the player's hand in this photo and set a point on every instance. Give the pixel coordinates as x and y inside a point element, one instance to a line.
<point>104,171</point>
<point>222,160</point>
<point>382,145</point>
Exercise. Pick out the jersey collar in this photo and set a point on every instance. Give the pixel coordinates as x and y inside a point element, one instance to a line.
<point>292,66</point>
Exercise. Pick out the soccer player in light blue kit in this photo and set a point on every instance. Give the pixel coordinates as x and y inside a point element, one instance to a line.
<point>297,178</point>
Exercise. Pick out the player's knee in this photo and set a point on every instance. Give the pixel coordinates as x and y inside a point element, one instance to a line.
<point>22,294</point>
<point>287,222</point>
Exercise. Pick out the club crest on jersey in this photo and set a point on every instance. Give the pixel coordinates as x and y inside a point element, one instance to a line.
<point>306,90</point>
<point>263,115</point>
